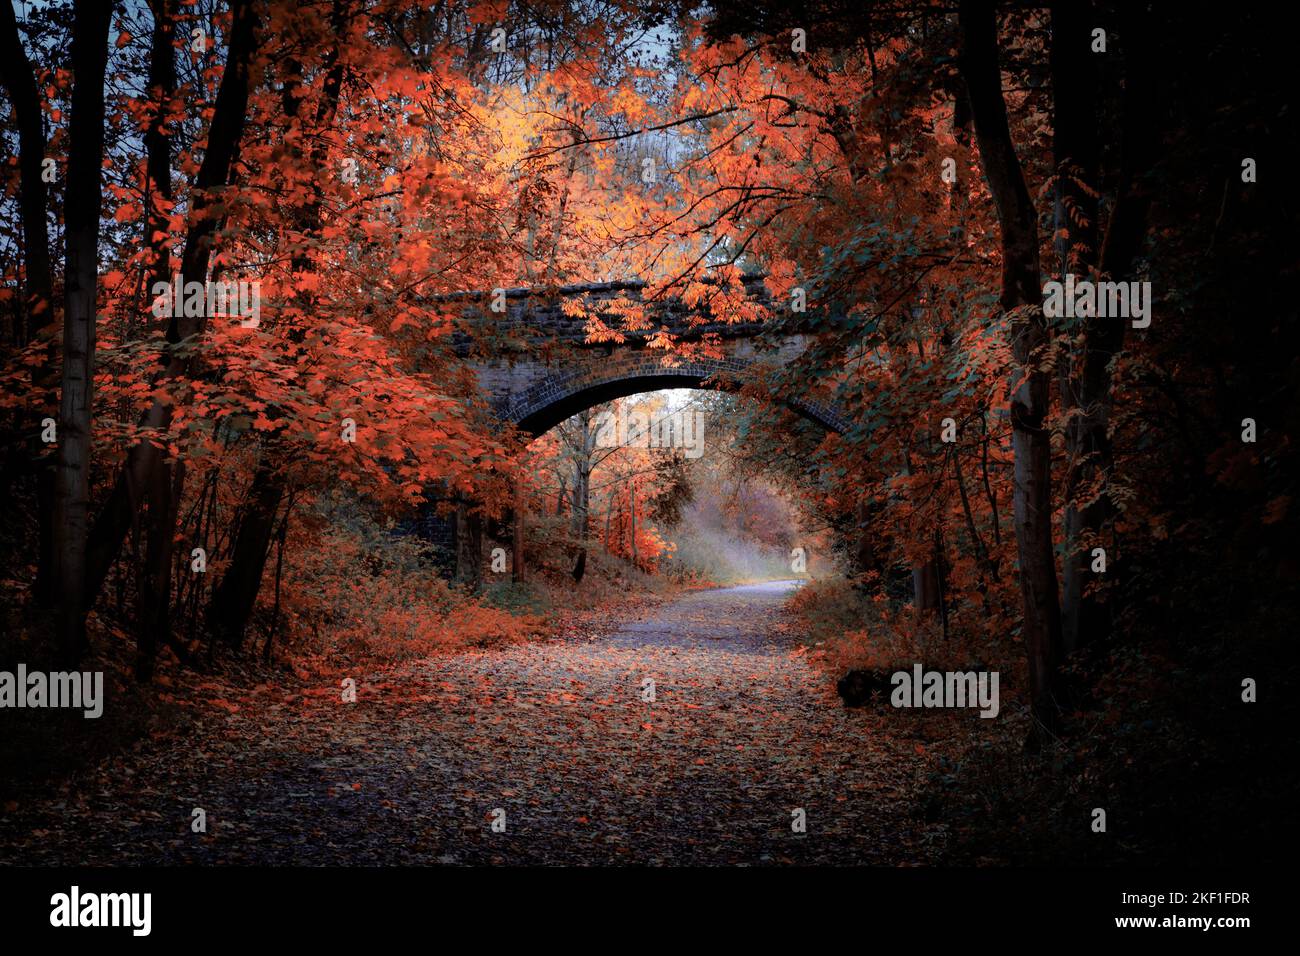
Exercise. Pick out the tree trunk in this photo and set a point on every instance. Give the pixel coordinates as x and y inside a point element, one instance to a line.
<point>157,139</point>
<point>989,494</point>
<point>925,586</point>
<point>20,83</point>
<point>1075,153</point>
<point>156,582</point>
<point>866,556</point>
<point>81,274</point>
<point>234,598</point>
<point>1087,617</point>
<point>517,571</point>
<point>168,480</point>
<point>988,569</point>
<point>925,576</point>
<point>280,537</point>
<point>28,452</point>
<point>469,548</point>
<point>609,513</point>
<point>248,563</point>
<point>632,519</point>
<point>227,127</point>
<point>578,440</point>
<point>1021,295</point>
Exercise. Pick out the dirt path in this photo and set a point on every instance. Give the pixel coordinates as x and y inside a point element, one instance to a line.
<point>742,732</point>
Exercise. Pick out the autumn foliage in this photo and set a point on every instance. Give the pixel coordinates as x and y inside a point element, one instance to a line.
<point>898,181</point>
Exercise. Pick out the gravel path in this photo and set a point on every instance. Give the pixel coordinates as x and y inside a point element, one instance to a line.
<point>741,733</point>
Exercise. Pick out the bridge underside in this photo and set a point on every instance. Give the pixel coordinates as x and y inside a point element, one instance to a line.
<point>548,416</point>
<point>536,368</point>
<point>536,396</point>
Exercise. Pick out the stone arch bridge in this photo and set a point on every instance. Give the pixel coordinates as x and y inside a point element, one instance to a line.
<point>535,368</point>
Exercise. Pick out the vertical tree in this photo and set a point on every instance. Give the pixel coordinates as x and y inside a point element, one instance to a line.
<point>1089,456</point>
<point>578,436</point>
<point>1021,300</point>
<point>206,210</point>
<point>155,579</point>
<point>1075,146</point>
<point>20,83</point>
<point>81,286</point>
<point>234,598</point>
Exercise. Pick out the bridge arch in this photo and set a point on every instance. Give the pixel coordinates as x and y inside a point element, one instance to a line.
<point>568,389</point>
<point>536,365</point>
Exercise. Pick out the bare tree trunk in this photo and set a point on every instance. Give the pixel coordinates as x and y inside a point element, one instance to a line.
<point>925,575</point>
<point>469,547</point>
<point>1076,150</point>
<point>925,586</point>
<point>632,519</point>
<point>941,581</point>
<point>984,472</point>
<point>582,492</point>
<point>38,303</point>
<point>20,83</point>
<point>988,569</point>
<point>234,598</point>
<point>1022,297</point>
<point>168,480</point>
<point>81,275</point>
<point>609,513</point>
<point>156,582</point>
<point>517,571</point>
<point>157,139</point>
<point>279,571</point>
